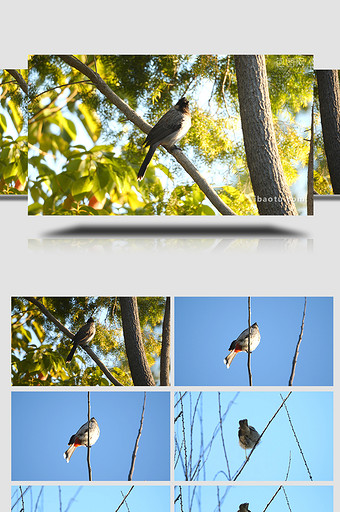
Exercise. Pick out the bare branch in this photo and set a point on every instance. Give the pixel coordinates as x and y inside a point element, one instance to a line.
<point>296,439</point>
<point>222,436</point>
<point>72,499</point>
<point>287,500</point>
<point>257,442</point>
<point>131,115</point>
<point>68,333</point>
<point>88,436</point>
<point>272,499</point>
<point>124,499</point>
<point>21,495</point>
<point>60,501</point>
<point>292,375</point>
<point>38,498</point>
<point>249,324</point>
<point>133,461</point>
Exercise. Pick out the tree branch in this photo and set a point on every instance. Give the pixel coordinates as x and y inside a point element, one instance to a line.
<point>131,115</point>
<point>249,324</point>
<point>123,501</point>
<point>68,333</point>
<point>165,350</point>
<point>257,442</point>
<point>292,375</point>
<point>297,441</point>
<point>88,436</point>
<point>134,454</point>
<point>19,78</point>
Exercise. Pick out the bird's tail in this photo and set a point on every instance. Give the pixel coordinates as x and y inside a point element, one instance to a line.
<point>71,354</point>
<point>229,358</point>
<point>145,163</point>
<point>69,452</point>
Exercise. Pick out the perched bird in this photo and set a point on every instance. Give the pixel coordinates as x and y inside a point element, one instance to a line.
<point>247,435</point>
<point>244,507</point>
<point>80,438</point>
<point>241,343</point>
<point>167,131</point>
<point>83,336</point>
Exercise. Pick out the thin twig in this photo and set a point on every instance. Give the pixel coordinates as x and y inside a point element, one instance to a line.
<point>249,324</point>
<point>222,436</point>
<point>206,452</point>
<point>22,500</point>
<point>297,441</point>
<point>287,500</point>
<point>61,86</point>
<point>180,399</point>
<point>276,493</point>
<point>88,436</point>
<point>134,454</point>
<point>73,499</point>
<point>181,498</point>
<point>37,502</point>
<point>60,501</point>
<point>184,441</point>
<point>21,495</point>
<point>192,429</point>
<point>292,375</point>
<point>257,442</point>
<point>124,499</point>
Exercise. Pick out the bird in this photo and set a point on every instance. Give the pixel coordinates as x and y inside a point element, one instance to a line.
<point>81,437</point>
<point>247,435</point>
<point>171,127</point>
<point>244,507</point>
<point>82,337</point>
<point>241,343</point>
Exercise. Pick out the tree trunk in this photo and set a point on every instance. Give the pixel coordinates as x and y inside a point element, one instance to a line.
<point>329,98</point>
<point>140,371</point>
<point>272,193</point>
<point>165,351</point>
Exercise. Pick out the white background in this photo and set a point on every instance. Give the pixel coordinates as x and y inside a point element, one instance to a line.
<point>190,256</point>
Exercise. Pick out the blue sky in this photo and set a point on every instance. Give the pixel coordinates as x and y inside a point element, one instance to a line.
<point>312,417</point>
<point>42,423</point>
<point>103,497</point>
<point>301,498</point>
<point>205,327</point>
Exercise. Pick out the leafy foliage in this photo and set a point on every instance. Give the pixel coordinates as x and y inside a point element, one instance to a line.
<point>39,349</point>
<point>86,155</point>
<point>13,135</point>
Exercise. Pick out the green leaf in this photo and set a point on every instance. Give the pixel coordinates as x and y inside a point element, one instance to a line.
<point>81,187</point>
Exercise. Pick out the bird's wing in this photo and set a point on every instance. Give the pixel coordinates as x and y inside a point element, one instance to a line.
<point>169,123</point>
<point>83,428</point>
<point>84,333</point>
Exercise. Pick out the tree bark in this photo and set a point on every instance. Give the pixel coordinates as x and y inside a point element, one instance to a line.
<point>272,193</point>
<point>329,99</point>
<point>140,371</point>
<point>310,175</point>
<point>165,351</point>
